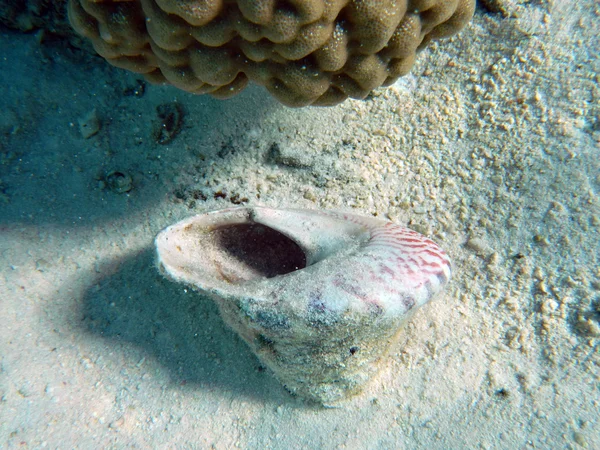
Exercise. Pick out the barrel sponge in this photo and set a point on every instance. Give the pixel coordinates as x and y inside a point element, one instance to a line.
<point>305,52</point>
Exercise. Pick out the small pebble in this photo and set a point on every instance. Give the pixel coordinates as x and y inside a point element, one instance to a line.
<point>309,195</point>
<point>579,439</point>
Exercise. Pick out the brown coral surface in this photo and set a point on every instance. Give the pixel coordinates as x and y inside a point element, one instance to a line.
<point>304,52</point>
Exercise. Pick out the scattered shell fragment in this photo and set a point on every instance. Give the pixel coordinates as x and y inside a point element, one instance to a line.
<point>318,296</point>
<point>41,265</point>
<point>170,120</point>
<point>290,156</point>
<point>89,124</point>
<point>479,246</point>
<point>119,182</point>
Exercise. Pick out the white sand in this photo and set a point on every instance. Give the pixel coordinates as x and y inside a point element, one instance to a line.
<point>491,147</point>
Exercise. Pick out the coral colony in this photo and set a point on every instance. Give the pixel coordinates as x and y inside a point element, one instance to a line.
<point>305,52</point>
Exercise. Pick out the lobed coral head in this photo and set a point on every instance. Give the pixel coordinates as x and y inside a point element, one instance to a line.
<point>305,52</point>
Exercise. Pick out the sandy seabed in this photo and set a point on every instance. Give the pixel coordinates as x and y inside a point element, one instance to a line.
<point>491,147</point>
